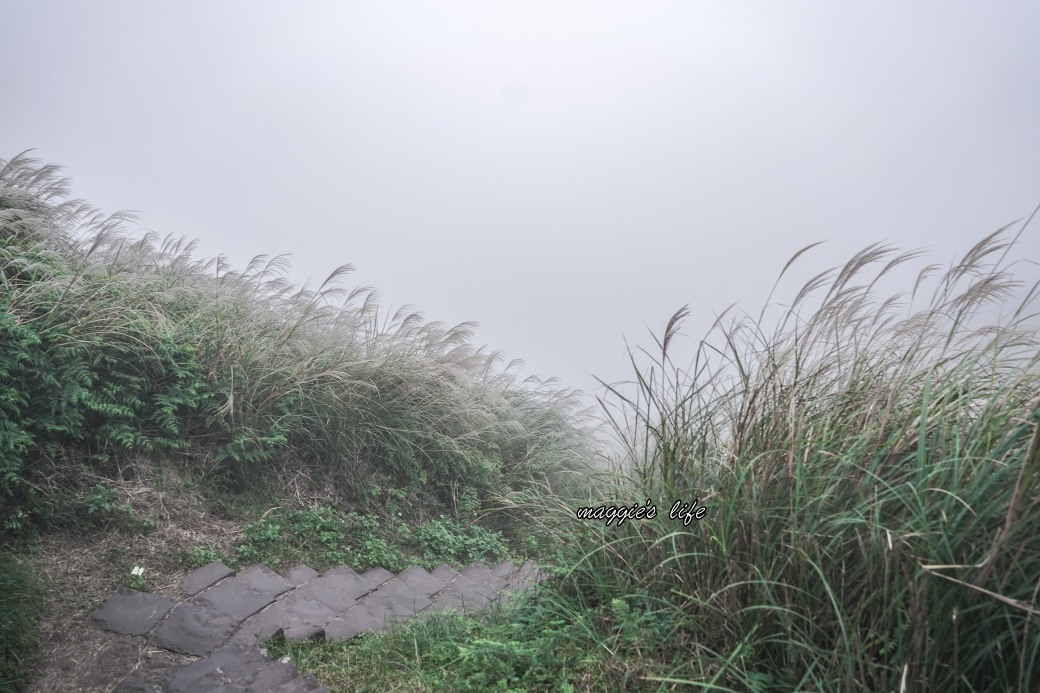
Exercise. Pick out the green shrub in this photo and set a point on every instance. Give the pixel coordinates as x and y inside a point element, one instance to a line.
<point>100,501</point>
<point>447,541</point>
<point>286,537</point>
<point>375,543</point>
<point>198,556</point>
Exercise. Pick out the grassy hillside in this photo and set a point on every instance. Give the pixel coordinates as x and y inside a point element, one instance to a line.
<point>332,432</point>
<point>114,346</point>
<point>857,478</point>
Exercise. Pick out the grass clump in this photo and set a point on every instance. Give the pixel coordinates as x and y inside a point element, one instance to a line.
<point>21,601</point>
<point>449,652</point>
<point>544,640</point>
<point>870,475</point>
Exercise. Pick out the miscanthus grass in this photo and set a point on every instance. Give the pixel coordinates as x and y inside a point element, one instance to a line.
<point>249,377</point>
<point>869,470</point>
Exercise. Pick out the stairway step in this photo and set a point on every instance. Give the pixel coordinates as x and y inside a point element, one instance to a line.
<point>445,572</point>
<point>480,574</point>
<point>131,612</point>
<point>233,668</point>
<point>209,574</point>
<point>353,622</point>
<point>193,629</point>
<point>421,581</point>
<point>266,580</point>
<point>504,570</point>
<point>301,574</point>
<point>338,590</point>
<point>377,576</point>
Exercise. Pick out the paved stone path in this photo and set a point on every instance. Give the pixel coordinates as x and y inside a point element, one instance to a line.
<point>226,618</point>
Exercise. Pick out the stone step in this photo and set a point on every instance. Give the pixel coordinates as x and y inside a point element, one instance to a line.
<point>227,617</point>
<point>236,668</point>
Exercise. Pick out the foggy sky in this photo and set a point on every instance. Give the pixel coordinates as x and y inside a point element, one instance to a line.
<point>567,174</point>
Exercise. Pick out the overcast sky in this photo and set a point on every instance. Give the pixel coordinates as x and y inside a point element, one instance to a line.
<point>567,174</point>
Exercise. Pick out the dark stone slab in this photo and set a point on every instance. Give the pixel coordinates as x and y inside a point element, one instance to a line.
<point>384,608</point>
<point>377,576</point>
<point>487,590</point>
<point>304,617</point>
<point>341,604</point>
<point>341,570</point>
<point>271,675</point>
<point>526,576</point>
<point>370,579</point>
<point>301,574</point>
<point>193,629</point>
<point>445,600</point>
<point>300,629</point>
<point>352,622</point>
<point>453,599</point>
<point>464,594</point>
<point>479,574</point>
<point>203,674</point>
<point>230,668</point>
<point>198,580</point>
<point>131,612</point>
<point>421,581</point>
<point>266,580</point>
<point>400,592</point>
<point>338,591</point>
<point>445,572</point>
<point>261,627</point>
<point>504,570</point>
<point>236,598</point>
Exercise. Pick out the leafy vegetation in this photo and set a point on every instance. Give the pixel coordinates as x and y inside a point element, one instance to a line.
<point>321,538</point>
